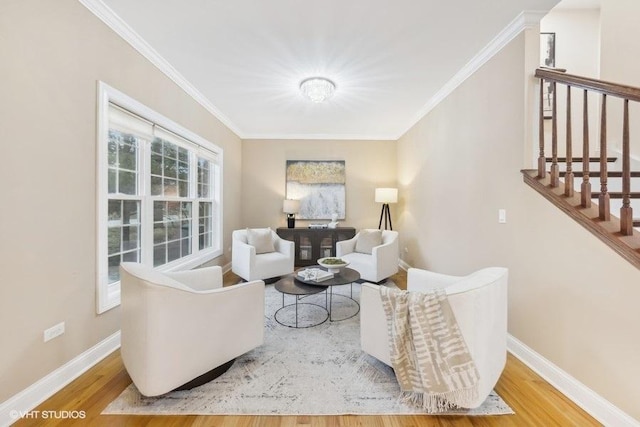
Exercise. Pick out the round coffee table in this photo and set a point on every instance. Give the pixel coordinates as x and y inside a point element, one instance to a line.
<point>290,286</point>
<point>344,277</point>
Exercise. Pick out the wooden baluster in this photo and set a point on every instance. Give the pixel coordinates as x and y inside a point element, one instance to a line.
<point>542,162</point>
<point>626,211</point>
<point>568,177</point>
<point>554,139</point>
<point>603,198</point>
<point>585,188</point>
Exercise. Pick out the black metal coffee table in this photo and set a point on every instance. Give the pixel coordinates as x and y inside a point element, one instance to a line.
<point>346,276</point>
<point>290,286</point>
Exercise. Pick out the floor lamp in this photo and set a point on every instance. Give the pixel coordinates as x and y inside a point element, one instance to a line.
<point>386,196</point>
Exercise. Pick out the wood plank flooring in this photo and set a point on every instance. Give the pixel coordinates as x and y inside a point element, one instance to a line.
<point>535,402</point>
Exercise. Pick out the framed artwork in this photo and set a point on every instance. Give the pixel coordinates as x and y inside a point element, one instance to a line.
<point>320,187</point>
<point>547,59</point>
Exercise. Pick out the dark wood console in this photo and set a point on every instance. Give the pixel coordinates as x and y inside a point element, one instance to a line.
<point>314,243</point>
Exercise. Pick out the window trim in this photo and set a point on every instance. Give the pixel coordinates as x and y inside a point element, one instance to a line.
<point>108,295</point>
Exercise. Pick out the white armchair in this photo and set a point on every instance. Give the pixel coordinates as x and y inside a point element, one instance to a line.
<point>177,328</point>
<point>479,302</point>
<point>375,265</point>
<point>251,262</point>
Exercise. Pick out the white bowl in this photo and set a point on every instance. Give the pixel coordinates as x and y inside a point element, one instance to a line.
<point>332,268</point>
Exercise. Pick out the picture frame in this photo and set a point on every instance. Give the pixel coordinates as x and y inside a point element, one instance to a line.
<point>320,187</point>
<point>547,59</point>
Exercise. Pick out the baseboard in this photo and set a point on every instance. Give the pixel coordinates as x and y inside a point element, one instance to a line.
<point>403,265</point>
<point>597,406</point>
<point>35,394</point>
<point>226,268</point>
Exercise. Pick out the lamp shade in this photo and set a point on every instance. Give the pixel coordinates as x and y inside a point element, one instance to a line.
<point>386,195</point>
<point>291,206</point>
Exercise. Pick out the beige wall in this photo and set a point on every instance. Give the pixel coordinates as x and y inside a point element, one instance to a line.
<point>53,53</point>
<point>571,298</point>
<point>620,63</point>
<point>369,164</point>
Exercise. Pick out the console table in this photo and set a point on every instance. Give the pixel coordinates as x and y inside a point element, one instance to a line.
<point>314,243</point>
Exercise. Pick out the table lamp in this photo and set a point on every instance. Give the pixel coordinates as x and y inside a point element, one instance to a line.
<point>291,208</point>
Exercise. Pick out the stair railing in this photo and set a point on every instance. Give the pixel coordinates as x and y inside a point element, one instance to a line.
<point>627,93</point>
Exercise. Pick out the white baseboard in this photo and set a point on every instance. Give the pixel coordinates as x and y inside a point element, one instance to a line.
<point>35,394</point>
<point>597,406</point>
<point>403,265</point>
<point>226,268</point>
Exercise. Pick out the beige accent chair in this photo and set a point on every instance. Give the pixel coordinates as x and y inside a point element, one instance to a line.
<point>177,328</point>
<point>479,302</point>
<point>264,261</point>
<point>376,264</point>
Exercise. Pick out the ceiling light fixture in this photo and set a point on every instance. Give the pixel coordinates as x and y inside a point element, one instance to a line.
<point>317,89</point>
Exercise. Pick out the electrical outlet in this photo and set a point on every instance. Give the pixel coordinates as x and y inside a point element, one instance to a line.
<point>502,216</point>
<point>54,331</point>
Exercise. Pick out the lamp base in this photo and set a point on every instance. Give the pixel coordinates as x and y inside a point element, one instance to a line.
<point>291,222</point>
<point>386,213</point>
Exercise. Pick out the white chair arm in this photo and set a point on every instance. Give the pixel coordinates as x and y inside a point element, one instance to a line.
<point>422,280</point>
<point>243,259</point>
<point>344,247</point>
<point>373,324</point>
<point>199,279</point>
<point>285,247</point>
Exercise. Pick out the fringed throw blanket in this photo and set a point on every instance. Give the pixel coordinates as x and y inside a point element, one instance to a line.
<point>428,353</point>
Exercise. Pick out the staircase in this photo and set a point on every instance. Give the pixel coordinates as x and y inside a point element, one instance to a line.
<point>567,181</point>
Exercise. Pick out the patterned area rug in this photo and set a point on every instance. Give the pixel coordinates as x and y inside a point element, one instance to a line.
<point>319,370</point>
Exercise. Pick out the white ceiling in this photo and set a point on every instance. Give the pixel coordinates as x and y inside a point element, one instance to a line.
<point>388,58</point>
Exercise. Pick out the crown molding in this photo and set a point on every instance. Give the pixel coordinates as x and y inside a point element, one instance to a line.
<point>524,20</point>
<point>113,21</point>
<point>322,136</point>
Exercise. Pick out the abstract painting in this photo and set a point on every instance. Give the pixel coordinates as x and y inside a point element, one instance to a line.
<point>319,185</point>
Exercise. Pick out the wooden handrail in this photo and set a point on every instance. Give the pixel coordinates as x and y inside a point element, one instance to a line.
<point>555,78</point>
<point>631,93</point>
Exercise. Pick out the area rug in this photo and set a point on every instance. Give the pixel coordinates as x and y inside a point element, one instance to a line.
<point>319,370</point>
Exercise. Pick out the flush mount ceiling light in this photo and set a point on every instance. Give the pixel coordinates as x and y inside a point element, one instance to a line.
<point>317,89</point>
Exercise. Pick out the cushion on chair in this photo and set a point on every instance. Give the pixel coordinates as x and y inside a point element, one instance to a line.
<point>367,240</point>
<point>260,238</point>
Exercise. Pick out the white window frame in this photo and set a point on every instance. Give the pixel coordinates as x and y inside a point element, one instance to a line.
<point>108,295</point>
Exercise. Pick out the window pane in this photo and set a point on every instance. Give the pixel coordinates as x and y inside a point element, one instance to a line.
<point>173,230</point>
<point>183,188</point>
<point>159,254</point>
<point>130,237</point>
<point>173,250</point>
<point>156,164</point>
<point>159,211</point>
<point>130,211</point>
<point>115,214</point>
<point>112,150</point>
<point>114,268</point>
<point>127,157</point>
<point>156,186</point>
<point>127,182</point>
<point>183,170</point>
<point>156,146</point>
<point>170,187</point>
<point>133,256</point>
<point>186,246</point>
<point>185,229</point>
<point>159,233</point>
<point>114,240</point>
<point>170,168</point>
<point>112,181</point>
<point>169,150</point>
<point>183,154</point>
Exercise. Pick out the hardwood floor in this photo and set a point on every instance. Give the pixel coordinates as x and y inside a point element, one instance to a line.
<point>535,402</point>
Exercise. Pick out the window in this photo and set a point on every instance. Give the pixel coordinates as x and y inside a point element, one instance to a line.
<point>159,200</point>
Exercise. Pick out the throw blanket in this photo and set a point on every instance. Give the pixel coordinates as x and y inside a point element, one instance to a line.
<point>428,353</point>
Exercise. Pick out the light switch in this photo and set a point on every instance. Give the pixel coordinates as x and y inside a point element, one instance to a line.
<point>502,216</point>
